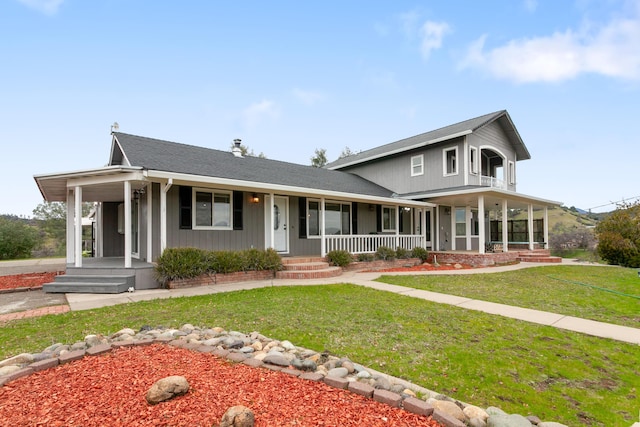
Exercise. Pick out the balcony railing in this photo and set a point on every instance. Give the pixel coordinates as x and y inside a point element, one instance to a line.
<point>369,243</point>
<point>490,181</point>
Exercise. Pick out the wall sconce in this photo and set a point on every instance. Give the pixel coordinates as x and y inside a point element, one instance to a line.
<point>372,208</point>
<point>255,198</point>
<point>406,208</point>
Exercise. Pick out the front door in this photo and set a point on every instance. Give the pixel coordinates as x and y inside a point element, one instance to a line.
<point>278,220</point>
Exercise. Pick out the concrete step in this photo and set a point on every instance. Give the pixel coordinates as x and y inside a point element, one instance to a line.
<point>306,266</point>
<point>107,284</point>
<point>302,260</point>
<point>309,274</point>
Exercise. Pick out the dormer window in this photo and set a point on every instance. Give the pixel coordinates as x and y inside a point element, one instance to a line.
<point>417,165</point>
<point>450,160</point>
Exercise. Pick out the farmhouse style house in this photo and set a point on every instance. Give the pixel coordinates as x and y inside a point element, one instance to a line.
<point>450,189</point>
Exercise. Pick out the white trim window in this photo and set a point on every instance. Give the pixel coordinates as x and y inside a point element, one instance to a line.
<point>512,172</point>
<point>212,210</point>
<point>389,218</point>
<point>450,161</point>
<point>461,222</point>
<point>473,160</point>
<point>337,216</point>
<point>417,165</point>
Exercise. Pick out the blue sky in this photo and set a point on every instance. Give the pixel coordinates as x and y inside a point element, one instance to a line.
<point>289,77</point>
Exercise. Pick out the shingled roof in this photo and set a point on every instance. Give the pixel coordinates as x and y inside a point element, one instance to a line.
<point>442,134</point>
<point>159,155</point>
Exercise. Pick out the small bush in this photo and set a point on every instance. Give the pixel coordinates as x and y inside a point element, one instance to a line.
<point>180,263</point>
<point>186,263</point>
<point>385,253</point>
<point>402,253</point>
<point>339,258</point>
<point>365,257</point>
<point>420,253</point>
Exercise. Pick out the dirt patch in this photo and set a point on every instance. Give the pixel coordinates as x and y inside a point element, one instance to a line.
<point>110,390</point>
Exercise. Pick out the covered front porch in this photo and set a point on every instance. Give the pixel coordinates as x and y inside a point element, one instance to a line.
<point>490,220</point>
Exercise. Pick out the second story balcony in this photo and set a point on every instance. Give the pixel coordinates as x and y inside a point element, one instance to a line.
<point>490,181</point>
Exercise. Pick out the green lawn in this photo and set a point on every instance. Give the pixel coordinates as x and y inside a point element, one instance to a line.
<point>606,294</point>
<point>475,357</point>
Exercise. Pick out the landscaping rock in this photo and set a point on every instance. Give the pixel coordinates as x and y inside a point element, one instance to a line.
<point>167,388</point>
<point>504,420</point>
<point>338,372</point>
<point>471,411</point>
<point>238,416</point>
<point>21,359</point>
<point>447,407</point>
<point>276,359</point>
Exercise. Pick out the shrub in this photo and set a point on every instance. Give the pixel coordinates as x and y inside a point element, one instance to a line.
<point>365,257</point>
<point>272,260</point>
<point>420,253</point>
<point>17,239</point>
<point>185,263</point>
<point>385,253</point>
<point>402,253</point>
<point>181,263</point>
<point>339,258</point>
<point>619,236</point>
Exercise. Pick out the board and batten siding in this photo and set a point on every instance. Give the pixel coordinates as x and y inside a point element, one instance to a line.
<point>252,234</point>
<point>394,172</point>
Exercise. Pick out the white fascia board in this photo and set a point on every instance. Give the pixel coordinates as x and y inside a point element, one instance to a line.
<point>400,150</point>
<point>488,190</point>
<point>107,170</point>
<point>278,188</point>
<point>105,179</point>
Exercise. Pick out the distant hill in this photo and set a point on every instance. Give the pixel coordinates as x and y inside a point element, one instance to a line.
<point>563,218</point>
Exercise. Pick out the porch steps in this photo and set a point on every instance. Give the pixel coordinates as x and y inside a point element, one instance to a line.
<point>538,255</point>
<point>90,284</point>
<point>301,268</point>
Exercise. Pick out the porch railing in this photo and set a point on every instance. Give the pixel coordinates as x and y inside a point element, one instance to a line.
<point>490,181</point>
<point>369,243</point>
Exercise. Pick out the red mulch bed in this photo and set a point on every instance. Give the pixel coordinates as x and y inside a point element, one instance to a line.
<point>28,280</point>
<point>110,390</point>
<point>427,267</point>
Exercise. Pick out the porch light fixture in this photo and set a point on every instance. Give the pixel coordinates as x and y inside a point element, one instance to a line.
<point>255,198</point>
<point>138,193</point>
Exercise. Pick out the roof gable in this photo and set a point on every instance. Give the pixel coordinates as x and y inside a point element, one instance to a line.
<point>159,155</point>
<point>439,135</point>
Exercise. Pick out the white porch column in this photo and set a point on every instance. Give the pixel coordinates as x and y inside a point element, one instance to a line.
<point>546,227</point>
<point>323,240</point>
<point>70,226</point>
<point>423,227</point>
<point>397,226</point>
<point>435,230</point>
<point>78,224</point>
<point>164,189</point>
<point>99,232</point>
<point>467,227</point>
<point>272,231</point>
<point>505,225</point>
<point>453,228</point>
<point>530,225</point>
<point>127,224</point>
<point>149,211</point>
<point>481,236</point>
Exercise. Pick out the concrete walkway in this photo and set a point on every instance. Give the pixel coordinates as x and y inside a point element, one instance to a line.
<point>589,327</point>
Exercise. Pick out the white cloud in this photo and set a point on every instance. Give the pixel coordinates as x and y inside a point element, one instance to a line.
<point>308,97</point>
<point>610,50</point>
<point>432,34</point>
<point>259,111</point>
<point>49,7</point>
